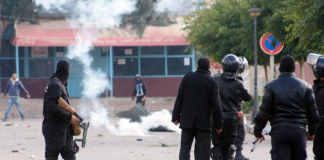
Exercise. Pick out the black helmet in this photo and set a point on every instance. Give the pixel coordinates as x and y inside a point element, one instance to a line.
<point>230,63</point>
<point>243,64</point>
<point>318,67</point>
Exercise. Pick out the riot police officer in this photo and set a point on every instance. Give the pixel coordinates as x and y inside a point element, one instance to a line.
<point>289,104</point>
<point>318,88</point>
<point>240,125</point>
<point>231,93</point>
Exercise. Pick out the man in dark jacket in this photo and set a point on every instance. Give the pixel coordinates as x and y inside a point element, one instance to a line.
<point>196,102</point>
<point>140,90</point>
<point>232,92</point>
<point>57,122</point>
<point>318,89</point>
<point>289,104</point>
<point>13,88</point>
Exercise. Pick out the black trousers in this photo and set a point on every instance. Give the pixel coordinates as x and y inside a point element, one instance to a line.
<point>288,143</point>
<point>224,142</point>
<point>60,145</point>
<point>318,147</point>
<point>202,145</point>
<point>139,99</point>
<point>240,134</point>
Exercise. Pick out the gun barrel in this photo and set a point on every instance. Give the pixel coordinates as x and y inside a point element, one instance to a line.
<point>256,143</point>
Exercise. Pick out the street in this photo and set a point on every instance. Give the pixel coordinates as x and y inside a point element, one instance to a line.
<point>23,140</point>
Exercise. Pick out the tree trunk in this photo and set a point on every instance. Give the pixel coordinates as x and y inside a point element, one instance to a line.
<point>265,66</point>
<point>302,70</point>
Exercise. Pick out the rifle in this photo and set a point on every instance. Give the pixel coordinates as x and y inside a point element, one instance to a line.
<point>84,126</point>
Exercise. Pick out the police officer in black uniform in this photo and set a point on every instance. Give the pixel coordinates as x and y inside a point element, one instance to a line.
<point>318,88</point>
<point>231,93</point>
<point>56,127</point>
<point>289,104</point>
<point>240,125</point>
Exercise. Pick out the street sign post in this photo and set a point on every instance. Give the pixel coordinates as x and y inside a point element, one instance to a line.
<point>270,48</point>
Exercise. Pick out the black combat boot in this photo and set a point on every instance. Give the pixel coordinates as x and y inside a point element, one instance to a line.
<point>239,155</point>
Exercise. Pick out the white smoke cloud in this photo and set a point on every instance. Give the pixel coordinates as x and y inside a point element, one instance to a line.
<point>156,119</point>
<point>87,18</point>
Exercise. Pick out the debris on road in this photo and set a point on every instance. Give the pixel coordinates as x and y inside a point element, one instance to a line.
<point>9,124</point>
<point>163,145</point>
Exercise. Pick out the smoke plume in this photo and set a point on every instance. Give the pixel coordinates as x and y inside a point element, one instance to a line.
<point>87,18</point>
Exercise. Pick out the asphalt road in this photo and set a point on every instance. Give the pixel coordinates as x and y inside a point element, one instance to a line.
<point>26,138</point>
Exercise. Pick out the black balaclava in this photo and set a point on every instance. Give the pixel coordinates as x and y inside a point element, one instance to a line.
<point>62,71</point>
<point>287,64</point>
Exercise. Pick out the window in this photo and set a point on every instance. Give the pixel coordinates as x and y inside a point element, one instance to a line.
<point>50,51</point>
<point>40,68</point>
<point>178,50</point>
<point>158,50</point>
<point>125,66</point>
<point>104,51</point>
<point>152,66</point>
<point>9,66</point>
<point>125,51</point>
<point>179,66</point>
<point>59,52</point>
<point>21,51</point>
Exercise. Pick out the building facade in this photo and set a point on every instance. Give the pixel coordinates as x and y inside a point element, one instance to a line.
<point>161,56</point>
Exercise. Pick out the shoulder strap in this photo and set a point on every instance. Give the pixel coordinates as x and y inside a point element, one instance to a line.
<point>61,84</point>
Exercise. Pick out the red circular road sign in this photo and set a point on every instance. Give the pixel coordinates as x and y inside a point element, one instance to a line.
<point>267,46</point>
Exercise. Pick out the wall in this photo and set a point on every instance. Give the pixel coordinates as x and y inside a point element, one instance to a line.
<point>157,87</point>
<point>123,87</point>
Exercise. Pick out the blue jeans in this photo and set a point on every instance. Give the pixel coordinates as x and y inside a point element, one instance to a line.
<point>14,100</point>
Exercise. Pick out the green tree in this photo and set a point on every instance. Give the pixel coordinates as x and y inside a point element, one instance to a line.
<point>300,27</point>
<point>15,11</point>
<point>226,27</point>
<point>145,15</point>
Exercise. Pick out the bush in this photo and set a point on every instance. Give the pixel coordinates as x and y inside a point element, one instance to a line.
<point>248,106</point>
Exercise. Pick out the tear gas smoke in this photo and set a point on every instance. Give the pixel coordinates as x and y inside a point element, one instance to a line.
<point>87,19</point>
<point>156,119</point>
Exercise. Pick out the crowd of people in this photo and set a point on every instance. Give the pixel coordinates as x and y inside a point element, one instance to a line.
<point>209,109</point>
